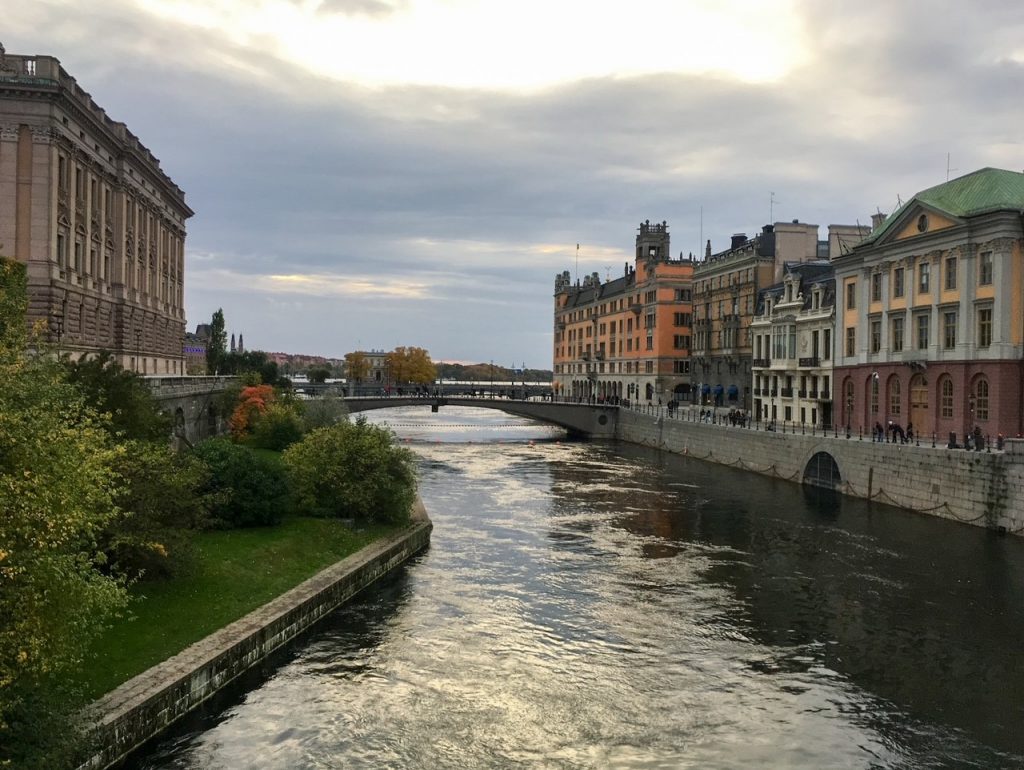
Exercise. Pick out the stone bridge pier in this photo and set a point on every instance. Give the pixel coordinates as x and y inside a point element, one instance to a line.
<point>192,403</point>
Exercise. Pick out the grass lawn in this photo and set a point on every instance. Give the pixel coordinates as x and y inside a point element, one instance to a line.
<point>236,572</point>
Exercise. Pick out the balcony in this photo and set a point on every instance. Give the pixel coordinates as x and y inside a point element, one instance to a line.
<point>636,307</point>
<point>731,319</point>
<point>585,356</point>
<point>801,393</point>
<point>787,393</point>
<point>761,363</point>
<point>774,392</point>
<point>812,394</point>
<point>599,355</point>
<point>824,395</point>
<point>810,361</point>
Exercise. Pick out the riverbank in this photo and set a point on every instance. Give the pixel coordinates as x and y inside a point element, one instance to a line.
<point>147,704</point>
<point>979,488</point>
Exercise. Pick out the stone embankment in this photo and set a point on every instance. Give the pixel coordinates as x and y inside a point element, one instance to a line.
<point>981,488</point>
<point>143,707</point>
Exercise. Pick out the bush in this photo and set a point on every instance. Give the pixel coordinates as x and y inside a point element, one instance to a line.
<point>245,489</point>
<point>162,505</point>
<point>278,427</point>
<point>323,412</point>
<point>352,470</point>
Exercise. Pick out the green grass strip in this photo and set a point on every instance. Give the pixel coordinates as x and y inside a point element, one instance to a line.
<point>236,571</point>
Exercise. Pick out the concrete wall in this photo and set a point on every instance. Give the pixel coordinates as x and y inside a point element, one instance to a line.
<point>980,488</point>
<point>144,706</point>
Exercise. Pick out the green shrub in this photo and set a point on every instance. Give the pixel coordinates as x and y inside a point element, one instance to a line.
<point>278,427</point>
<point>323,412</point>
<point>352,470</point>
<point>162,505</point>
<point>245,489</point>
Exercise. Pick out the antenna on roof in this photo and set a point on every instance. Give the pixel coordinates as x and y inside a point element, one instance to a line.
<point>577,263</point>
<point>948,169</point>
<point>771,208</point>
<point>701,229</point>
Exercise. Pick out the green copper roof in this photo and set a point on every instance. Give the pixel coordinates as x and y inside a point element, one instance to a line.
<point>982,191</point>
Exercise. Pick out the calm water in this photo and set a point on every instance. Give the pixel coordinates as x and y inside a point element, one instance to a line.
<point>608,606</point>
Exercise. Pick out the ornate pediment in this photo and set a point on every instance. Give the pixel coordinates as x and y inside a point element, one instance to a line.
<point>919,219</point>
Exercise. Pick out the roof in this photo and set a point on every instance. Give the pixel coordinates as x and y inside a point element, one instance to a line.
<point>980,192</point>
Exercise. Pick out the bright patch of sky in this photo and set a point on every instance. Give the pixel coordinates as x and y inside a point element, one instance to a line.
<point>502,44</point>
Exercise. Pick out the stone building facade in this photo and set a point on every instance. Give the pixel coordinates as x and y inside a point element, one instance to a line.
<point>99,225</point>
<point>930,325</point>
<point>628,338</point>
<point>726,287</point>
<point>792,333</point>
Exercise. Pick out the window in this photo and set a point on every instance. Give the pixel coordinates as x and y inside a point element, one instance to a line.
<point>876,335</point>
<point>681,341</point>
<point>894,396</point>
<point>826,348</point>
<point>650,343</point>
<point>923,324</point>
<point>897,282</point>
<point>683,295</point>
<point>923,276</point>
<point>849,400</point>
<point>950,273</point>
<point>680,319</point>
<point>851,295</point>
<point>985,268</point>
<point>874,394</point>
<point>981,399</point>
<point>946,397</point>
<point>876,287</point>
<point>62,250</point>
<point>648,367</point>
<point>681,367</point>
<point>851,341</point>
<point>896,341</point>
<point>984,327</point>
<point>949,330</point>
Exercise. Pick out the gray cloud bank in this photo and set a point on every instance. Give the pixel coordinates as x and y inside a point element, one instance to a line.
<point>331,216</point>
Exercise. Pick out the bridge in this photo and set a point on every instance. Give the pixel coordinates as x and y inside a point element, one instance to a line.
<point>580,420</point>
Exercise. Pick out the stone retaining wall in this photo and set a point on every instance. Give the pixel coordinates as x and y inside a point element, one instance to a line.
<point>980,488</point>
<point>143,707</point>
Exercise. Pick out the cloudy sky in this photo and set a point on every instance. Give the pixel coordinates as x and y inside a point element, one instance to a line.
<point>373,173</point>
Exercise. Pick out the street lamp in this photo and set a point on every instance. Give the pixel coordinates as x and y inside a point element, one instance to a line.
<point>849,410</point>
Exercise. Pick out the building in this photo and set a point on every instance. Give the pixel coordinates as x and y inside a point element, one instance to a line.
<point>792,332</point>
<point>195,346</point>
<point>99,225</point>
<point>726,288</point>
<point>931,326</point>
<point>629,337</point>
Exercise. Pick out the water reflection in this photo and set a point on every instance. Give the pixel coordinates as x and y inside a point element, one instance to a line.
<point>611,606</point>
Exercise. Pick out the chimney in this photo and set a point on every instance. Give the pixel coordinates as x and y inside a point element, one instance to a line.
<point>877,219</point>
<point>738,239</point>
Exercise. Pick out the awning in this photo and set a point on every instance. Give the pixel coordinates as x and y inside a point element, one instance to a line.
<point>733,390</point>
<point>718,390</point>
<point>706,389</point>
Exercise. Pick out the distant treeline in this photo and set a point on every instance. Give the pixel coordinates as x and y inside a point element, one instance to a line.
<point>488,372</point>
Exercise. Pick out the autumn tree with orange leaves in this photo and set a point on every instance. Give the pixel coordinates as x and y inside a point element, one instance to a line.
<point>253,401</point>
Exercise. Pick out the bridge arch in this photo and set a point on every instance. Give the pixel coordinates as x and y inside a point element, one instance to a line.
<point>822,470</point>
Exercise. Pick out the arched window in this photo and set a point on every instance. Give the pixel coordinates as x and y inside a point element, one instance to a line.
<point>849,400</point>
<point>894,396</point>
<point>981,399</point>
<point>946,397</point>
<point>874,394</point>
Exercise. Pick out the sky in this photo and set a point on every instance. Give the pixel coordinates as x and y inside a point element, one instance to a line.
<point>374,173</point>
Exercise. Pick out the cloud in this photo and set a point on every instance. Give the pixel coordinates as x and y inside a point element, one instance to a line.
<point>444,211</point>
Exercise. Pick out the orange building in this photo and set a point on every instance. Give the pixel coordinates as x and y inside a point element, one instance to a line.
<point>629,337</point>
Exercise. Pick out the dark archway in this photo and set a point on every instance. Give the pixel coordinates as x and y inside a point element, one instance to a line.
<point>822,471</point>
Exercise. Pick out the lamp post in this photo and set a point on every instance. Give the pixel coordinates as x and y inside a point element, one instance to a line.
<point>849,410</point>
<point>58,327</point>
<point>970,420</point>
<point>490,387</point>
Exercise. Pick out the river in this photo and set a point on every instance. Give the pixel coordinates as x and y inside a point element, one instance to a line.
<point>600,605</point>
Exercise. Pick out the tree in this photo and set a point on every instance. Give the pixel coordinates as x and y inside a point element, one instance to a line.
<point>162,505</point>
<point>278,427</point>
<point>217,345</point>
<point>250,362</point>
<point>252,402</point>
<point>352,470</point>
<point>56,496</point>
<point>411,364</point>
<point>318,374</point>
<point>357,366</point>
<point>112,390</point>
<point>244,488</point>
